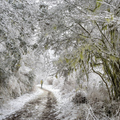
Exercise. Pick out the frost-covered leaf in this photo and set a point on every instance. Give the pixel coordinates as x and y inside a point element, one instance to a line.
<point>81,55</point>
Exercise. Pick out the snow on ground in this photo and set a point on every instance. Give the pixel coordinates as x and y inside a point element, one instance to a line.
<point>65,108</point>
<point>16,104</point>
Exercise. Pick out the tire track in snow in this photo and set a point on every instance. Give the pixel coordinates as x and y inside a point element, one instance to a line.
<point>49,112</point>
<point>42,108</point>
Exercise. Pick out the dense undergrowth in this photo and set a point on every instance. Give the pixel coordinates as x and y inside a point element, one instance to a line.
<point>15,86</point>
<point>88,100</point>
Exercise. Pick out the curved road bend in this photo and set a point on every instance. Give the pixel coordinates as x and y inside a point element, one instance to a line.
<point>42,108</point>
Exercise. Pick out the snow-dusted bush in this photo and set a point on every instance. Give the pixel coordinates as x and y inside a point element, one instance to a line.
<point>79,98</point>
<point>96,89</point>
<point>49,81</point>
<point>17,83</point>
<point>58,82</point>
<point>16,86</point>
<point>3,76</point>
<point>97,93</point>
<point>16,29</point>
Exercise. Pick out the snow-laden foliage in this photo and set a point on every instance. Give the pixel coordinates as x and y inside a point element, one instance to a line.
<point>86,34</point>
<point>15,31</point>
<point>18,25</point>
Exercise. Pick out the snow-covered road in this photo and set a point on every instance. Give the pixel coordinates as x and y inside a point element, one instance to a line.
<point>15,105</point>
<point>42,104</point>
<point>39,105</point>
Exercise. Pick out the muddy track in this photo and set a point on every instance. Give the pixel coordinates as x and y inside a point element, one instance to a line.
<point>50,113</point>
<point>42,108</point>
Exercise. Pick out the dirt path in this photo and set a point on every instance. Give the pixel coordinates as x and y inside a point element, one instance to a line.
<point>49,112</point>
<point>42,108</point>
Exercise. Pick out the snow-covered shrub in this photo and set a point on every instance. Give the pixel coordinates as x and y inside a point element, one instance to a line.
<point>67,85</point>
<point>98,93</point>
<point>111,108</point>
<point>79,98</point>
<point>94,88</point>
<point>3,77</point>
<point>31,77</point>
<point>58,82</point>
<point>50,81</point>
<point>17,84</point>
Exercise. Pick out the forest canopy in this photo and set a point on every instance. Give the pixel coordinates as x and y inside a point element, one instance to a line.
<point>86,35</point>
<point>83,33</point>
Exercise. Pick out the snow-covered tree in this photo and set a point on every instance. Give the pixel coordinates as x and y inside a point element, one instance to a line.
<point>86,34</point>
<point>18,25</point>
